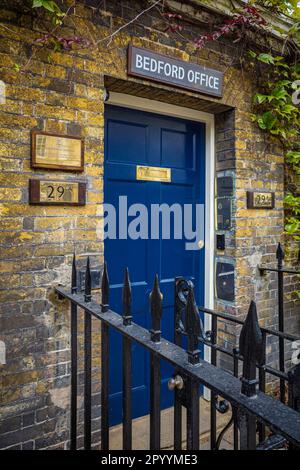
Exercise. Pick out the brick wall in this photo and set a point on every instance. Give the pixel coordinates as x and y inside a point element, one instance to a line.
<point>64,94</point>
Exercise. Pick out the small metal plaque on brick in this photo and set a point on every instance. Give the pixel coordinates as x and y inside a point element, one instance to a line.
<point>260,200</point>
<point>59,193</point>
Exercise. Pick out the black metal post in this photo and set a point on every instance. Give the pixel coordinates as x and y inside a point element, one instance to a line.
<point>262,384</point>
<point>179,307</point>
<point>294,394</point>
<point>73,418</point>
<point>247,426</point>
<point>87,363</point>
<point>236,353</point>
<point>213,411</point>
<point>192,415</point>
<point>280,274</point>
<point>194,330</point>
<point>105,363</point>
<point>127,366</point>
<point>251,348</point>
<point>156,314</point>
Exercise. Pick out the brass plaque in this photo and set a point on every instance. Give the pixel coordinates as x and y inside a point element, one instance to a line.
<point>260,200</point>
<point>153,173</point>
<point>47,192</point>
<point>57,151</point>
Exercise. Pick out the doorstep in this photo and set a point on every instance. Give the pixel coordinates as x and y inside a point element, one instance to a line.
<point>140,430</point>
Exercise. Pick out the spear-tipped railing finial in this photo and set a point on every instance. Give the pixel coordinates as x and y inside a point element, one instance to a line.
<point>105,289</point>
<point>74,276</point>
<point>88,282</point>
<point>251,348</point>
<point>193,327</point>
<point>126,299</point>
<point>156,311</point>
<point>280,255</point>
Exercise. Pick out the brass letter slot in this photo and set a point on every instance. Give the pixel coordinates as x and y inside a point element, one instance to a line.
<point>153,173</point>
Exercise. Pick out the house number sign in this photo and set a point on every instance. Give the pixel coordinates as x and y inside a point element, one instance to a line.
<point>65,193</point>
<point>260,200</point>
<point>160,68</point>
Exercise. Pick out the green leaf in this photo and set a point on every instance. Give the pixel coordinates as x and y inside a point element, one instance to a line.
<point>280,93</point>
<point>252,54</point>
<point>266,58</point>
<point>269,119</point>
<point>259,98</point>
<point>37,3</point>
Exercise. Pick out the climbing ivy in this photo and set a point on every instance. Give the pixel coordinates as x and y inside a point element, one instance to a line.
<point>52,8</point>
<point>277,114</point>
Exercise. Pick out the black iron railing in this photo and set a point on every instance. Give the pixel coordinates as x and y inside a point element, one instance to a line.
<point>210,339</point>
<point>280,270</point>
<point>249,405</point>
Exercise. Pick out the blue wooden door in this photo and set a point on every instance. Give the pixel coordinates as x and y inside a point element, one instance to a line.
<point>139,138</point>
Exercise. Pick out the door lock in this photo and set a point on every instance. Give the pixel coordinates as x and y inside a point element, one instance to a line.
<point>200,244</point>
<point>175,382</point>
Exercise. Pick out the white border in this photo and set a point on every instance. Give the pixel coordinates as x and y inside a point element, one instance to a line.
<point>143,104</point>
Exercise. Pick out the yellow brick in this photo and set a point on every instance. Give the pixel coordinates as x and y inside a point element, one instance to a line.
<point>94,119</point>
<point>242,233</point>
<point>54,250</point>
<point>77,103</point>
<point>53,223</point>
<point>43,110</point>
<point>62,59</point>
<point>98,185</point>
<point>13,150</point>
<point>11,280</point>
<point>13,224</point>
<point>25,93</point>
<point>9,194</point>
<point>96,171</point>
<point>10,164</point>
<point>22,238</point>
<point>55,71</point>
<point>94,132</point>
<point>22,378</point>
<point>12,134</point>
<point>9,120</point>
<point>95,197</point>
<point>12,106</point>
<point>9,266</point>
<point>6,60</point>
<point>55,126</point>
<point>93,157</point>
<point>87,223</point>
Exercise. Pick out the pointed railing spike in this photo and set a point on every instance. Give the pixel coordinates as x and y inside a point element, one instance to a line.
<point>193,327</point>
<point>88,282</point>
<point>74,276</point>
<point>105,289</point>
<point>156,311</point>
<point>251,348</point>
<point>126,299</point>
<point>294,387</point>
<point>279,255</point>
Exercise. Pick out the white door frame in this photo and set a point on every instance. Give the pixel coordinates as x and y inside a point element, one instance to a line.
<point>143,104</point>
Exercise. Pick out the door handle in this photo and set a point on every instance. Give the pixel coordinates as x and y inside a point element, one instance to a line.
<point>175,382</point>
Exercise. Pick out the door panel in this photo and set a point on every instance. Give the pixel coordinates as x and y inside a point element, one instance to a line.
<point>131,138</point>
